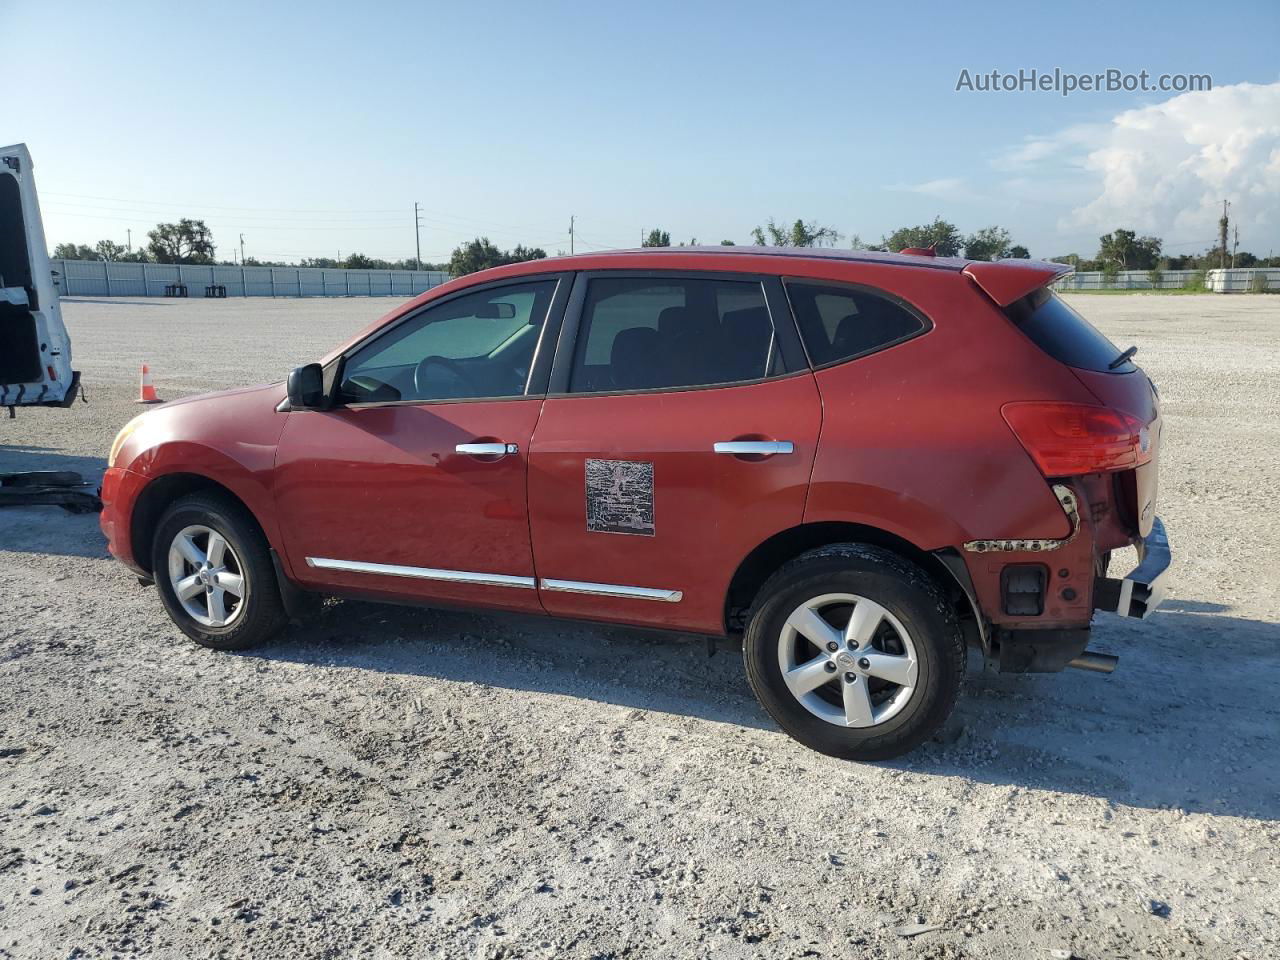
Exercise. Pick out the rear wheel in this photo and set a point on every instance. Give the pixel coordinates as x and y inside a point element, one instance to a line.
<point>213,569</point>
<point>855,652</point>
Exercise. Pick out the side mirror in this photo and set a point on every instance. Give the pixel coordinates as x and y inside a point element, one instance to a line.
<point>306,387</point>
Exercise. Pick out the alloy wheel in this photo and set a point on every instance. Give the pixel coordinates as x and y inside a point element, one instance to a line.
<point>207,576</point>
<point>847,660</point>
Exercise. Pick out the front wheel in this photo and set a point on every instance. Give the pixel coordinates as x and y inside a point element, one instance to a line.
<point>855,652</point>
<point>213,569</point>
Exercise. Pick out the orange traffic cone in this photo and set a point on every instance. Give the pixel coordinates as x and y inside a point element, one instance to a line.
<point>147,392</point>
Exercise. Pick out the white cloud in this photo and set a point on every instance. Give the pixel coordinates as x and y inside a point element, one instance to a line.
<point>1166,168</point>
<point>946,187</point>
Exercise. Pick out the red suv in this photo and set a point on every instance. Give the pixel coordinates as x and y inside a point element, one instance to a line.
<point>860,463</point>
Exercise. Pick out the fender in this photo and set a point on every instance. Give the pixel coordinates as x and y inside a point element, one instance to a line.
<point>229,437</point>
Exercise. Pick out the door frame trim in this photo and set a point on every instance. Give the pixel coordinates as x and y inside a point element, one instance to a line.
<point>422,573</point>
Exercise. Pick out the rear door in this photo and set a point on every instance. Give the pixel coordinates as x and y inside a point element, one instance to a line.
<point>679,434</point>
<point>35,352</point>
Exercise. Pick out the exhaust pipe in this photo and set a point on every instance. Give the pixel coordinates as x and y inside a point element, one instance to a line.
<point>1097,662</point>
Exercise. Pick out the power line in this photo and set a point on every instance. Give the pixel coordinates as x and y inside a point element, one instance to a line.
<point>211,206</point>
<point>429,216</point>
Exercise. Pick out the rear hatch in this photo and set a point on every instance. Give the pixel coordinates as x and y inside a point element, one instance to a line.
<point>35,351</point>
<point>1116,381</point>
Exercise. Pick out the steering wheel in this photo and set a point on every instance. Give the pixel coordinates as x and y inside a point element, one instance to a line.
<point>422,377</point>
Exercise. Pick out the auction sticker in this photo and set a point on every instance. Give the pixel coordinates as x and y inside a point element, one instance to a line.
<point>620,497</point>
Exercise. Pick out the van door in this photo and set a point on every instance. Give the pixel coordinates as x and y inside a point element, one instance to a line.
<point>35,351</point>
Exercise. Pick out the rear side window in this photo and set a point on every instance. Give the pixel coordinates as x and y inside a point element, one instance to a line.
<point>1065,335</point>
<point>839,323</point>
<point>671,333</point>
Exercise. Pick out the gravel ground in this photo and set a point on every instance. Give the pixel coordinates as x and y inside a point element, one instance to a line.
<point>388,782</point>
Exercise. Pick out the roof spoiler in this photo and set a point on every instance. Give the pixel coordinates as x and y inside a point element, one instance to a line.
<point>1005,281</point>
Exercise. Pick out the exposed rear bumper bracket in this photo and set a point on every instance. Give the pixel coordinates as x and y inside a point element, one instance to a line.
<point>1138,594</point>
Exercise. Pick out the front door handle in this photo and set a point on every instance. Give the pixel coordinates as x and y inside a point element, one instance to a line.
<point>487,449</point>
<point>760,448</point>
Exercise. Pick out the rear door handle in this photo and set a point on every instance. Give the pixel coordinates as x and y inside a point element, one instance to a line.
<point>487,449</point>
<point>766,448</point>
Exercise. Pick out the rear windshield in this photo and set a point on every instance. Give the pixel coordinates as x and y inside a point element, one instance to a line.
<point>1065,335</point>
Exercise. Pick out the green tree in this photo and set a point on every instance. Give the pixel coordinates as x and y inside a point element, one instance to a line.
<point>1019,252</point>
<point>72,251</point>
<point>480,254</point>
<point>656,238</point>
<point>941,235</point>
<point>110,250</point>
<point>801,234</point>
<point>727,243</point>
<point>521,253</point>
<point>1128,251</point>
<point>102,250</point>
<point>187,241</point>
<point>989,243</point>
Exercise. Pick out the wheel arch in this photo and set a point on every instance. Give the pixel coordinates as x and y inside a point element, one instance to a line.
<point>156,497</point>
<point>949,572</point>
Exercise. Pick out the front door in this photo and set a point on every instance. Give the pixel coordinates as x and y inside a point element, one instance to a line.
<point>680,435</point>
<point>414,484</point>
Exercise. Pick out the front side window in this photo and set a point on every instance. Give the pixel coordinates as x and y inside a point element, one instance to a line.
<point>840,323</point>
<point>477,345</point>
<point>650,334</point>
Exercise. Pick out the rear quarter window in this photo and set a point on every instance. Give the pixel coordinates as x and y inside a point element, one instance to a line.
<point>1065,335</point>
<point>840,322</point>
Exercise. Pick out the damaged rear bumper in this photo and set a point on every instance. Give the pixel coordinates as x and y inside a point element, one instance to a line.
<point>1138,594</point>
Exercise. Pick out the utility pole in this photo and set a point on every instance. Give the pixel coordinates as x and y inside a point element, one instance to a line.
<point>417,236</point>
<point>1222,230</point>
<point>571,219</point>
<point>1235,244</point>
<point>128,239</point>
<point>242,248</point>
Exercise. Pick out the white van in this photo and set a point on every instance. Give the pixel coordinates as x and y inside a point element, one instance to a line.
<point>35,351</point>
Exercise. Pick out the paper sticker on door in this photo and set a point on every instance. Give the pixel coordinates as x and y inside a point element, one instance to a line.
<point>620,497</point>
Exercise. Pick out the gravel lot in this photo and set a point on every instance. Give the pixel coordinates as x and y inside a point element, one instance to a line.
<point>387,782</point>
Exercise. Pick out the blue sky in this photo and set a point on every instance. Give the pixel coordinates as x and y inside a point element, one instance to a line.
<point>313,132</point>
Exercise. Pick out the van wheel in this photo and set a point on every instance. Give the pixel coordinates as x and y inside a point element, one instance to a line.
<point>855,652</point>
<point>213,569</point>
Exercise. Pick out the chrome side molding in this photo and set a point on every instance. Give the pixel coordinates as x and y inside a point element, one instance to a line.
<point>612,590</point>
<point>497,580</point>
<point>422,573</point>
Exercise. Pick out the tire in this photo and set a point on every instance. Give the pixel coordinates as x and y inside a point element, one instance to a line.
<point>909,633</point>
<point>251,618</point>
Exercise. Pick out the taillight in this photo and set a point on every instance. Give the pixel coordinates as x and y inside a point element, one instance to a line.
<point>1069,439</point>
